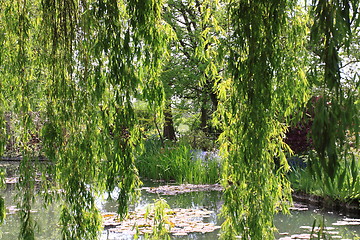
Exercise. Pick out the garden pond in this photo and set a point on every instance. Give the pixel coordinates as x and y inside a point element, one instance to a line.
<point>197,211</point>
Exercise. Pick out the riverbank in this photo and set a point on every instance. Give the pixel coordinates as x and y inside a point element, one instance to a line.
<point>350,208</point>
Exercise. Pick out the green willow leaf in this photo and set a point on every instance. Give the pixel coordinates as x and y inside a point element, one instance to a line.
<point>266,77</point>
<point>2,210</point>
<point>331,33</point>
<point>79,65</point>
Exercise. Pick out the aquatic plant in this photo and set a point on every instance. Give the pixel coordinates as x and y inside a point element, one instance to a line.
<point>176,162</point>
<point>344,185</point>
<point>158,221</point>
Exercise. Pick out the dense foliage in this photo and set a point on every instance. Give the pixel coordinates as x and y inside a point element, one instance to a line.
<point>343,189</point>
<point>337,110</point>
<point>267,70</point>
<point>78,66</point>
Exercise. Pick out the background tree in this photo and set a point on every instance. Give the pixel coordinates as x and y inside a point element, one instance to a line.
<point>194,65</point>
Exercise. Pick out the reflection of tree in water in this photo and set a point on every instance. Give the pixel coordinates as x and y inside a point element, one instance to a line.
<point>45,217</point>
<point>208,200</point>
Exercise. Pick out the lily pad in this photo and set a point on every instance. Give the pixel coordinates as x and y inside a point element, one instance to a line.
<point>179,222</point>
<point>183,188</point>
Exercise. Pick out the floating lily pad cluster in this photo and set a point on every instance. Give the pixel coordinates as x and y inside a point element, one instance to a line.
<point>180,221</point>
<point>183,188</point>
<point>11,210</point>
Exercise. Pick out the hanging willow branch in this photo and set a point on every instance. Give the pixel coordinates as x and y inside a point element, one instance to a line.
<point>88,60</point>
<point>2,115</point>
<point>266,66</point>
<point>336,111</point>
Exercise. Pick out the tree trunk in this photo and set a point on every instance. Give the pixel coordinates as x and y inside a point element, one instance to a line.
<point>214,100</point>
<point>204,116</point>
<point>169,130</point>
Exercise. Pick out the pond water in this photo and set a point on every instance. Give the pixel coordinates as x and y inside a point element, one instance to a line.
<point>300,222</point>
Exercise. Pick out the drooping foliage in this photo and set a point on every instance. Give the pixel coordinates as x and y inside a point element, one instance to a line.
<point>336,109</point>
<point>2,121</point>
<point>85,60</point>
<point>266,66</point>
<point>19,92</point>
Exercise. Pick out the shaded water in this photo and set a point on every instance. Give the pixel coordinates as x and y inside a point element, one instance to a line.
<point>47,218</point>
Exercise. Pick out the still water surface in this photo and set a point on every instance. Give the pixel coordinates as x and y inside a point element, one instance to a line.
<point>297,223</point>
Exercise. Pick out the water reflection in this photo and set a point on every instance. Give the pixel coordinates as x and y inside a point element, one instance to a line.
<point>302,223</point>
<point>46,219</point>
<point>48,228</point>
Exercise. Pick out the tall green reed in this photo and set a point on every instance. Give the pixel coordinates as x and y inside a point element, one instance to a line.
<point>176,162</point>
<point>344,186</point>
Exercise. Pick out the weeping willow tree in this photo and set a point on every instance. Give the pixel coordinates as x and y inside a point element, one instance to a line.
<point>79,64</point>
<point>267,84</point>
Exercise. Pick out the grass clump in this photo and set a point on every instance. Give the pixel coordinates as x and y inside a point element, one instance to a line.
<point>177,162</point>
